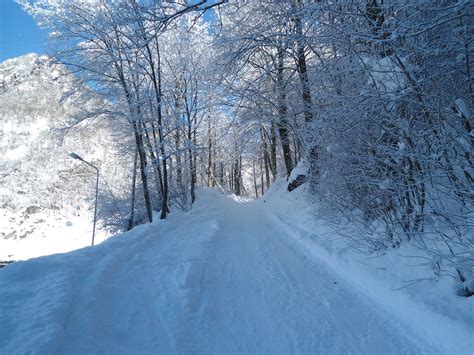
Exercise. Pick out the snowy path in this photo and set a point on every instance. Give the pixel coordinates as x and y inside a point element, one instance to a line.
<point>221,279</point>
<point>260,295</point>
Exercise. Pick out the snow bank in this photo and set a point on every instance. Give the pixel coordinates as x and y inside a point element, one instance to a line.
<point>99,299</point>
<point>397,280</point>
<point>24,236</point>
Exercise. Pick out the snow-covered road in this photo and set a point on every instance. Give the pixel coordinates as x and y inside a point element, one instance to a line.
<point>260,295</point>
<point>220,279</point>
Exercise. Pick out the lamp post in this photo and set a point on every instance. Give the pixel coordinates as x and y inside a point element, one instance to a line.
<point>75,156</point>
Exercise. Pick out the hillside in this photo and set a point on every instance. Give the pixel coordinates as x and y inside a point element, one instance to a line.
<point>44,193</point>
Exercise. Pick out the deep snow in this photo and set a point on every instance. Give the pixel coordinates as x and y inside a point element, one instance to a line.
<point>228,277</point>
<point>45,232</point>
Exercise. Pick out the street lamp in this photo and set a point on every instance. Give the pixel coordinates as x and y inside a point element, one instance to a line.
<point>75,156</point>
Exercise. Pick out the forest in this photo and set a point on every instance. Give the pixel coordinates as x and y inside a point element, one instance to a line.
<point>370,100</point>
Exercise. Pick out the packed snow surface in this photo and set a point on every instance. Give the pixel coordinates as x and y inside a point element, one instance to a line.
<point>223,278</point>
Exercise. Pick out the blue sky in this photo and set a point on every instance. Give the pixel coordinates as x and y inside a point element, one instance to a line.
<point>18,32</point>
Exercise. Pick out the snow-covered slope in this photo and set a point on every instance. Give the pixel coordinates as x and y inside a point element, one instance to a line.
<point>399,280</point>
<point>226,277</point>
<point>42,191</point>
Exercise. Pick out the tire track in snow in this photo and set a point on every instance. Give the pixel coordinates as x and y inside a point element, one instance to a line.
<point>286,303</point>
<point>117,288</point>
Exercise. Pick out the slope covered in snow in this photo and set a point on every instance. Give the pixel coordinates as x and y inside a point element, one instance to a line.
<point>45,195</point>
<point>228,277</point>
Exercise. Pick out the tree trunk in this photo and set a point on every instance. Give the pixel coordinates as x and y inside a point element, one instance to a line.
<point>302,70</point>
<point>192,161</point>
<point>143,171</point>
<point>155,163</point>
<point>209,162</point>
<point>311,150</point>
<point>255,180</point>
<point>273,155</point>
<point>158,94</point>
<point>266,161</point>
<point>179,169</point>
<point>131,219</point>
<point>282,112</point>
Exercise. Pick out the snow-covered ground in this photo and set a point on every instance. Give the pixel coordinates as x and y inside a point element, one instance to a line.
<point>228,277</point>
<point>47,198</point>
<point>44,233</point>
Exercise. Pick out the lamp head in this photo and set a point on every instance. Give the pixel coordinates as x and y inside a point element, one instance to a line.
<point>75,156</point>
